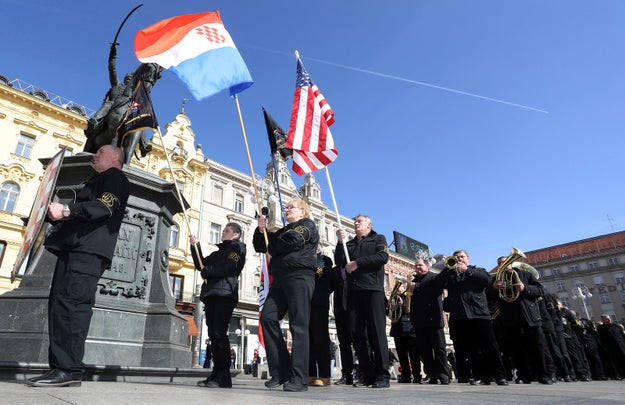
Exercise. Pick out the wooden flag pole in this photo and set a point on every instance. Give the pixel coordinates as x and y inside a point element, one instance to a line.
<point>249,160</point>
<point>336,210</point>
<point>173,179</point>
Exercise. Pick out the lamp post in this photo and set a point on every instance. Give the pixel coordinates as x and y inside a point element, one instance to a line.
<point>582,293</point>
<point>266,190</point>
<point>242,334</point>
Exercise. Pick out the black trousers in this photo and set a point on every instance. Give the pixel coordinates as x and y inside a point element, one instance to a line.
<point>319,350</point>
<point>433,352</point>
<point>527,348</point>
<point>72,297</point>
<point>367,319</point>
<point>218,312</point>
<point>290,295</point>
<point>474,339</point>
<point>408,355</point>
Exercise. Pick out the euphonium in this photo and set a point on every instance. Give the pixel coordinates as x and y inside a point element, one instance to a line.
<point>509,277</point>
<point>395,307</point>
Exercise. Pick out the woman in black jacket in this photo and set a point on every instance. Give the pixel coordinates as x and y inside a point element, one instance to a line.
<point>220,295</point>
<point>292,256</point>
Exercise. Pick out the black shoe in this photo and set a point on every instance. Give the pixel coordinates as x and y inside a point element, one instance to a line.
<point>503,381</point>
<point>344,380</point>
<point>485,382</point>
<point>585,379</point>
<point>362,383</point>
<point>294,387</point>
<point>567,379</point>
<point>41,377</point>
<point>433,381</point>
<point>462,381</point>
<point>546,381</point>
<point>444,381</point>
<point>381,383</point>
<point>520,381</point>
<point>473,381</point>
<point>215,384</point>
<point>405,379</point>
<point>274,382</point>
<point>57,378</point>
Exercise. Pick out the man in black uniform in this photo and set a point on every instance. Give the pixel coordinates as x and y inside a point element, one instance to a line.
<point>427,317</point>
<point>470,324</point>
<point>368,253</point>
<point>220,295</point>
<point>521,324</point>
<point>83,238</point>
<point>339,286</point>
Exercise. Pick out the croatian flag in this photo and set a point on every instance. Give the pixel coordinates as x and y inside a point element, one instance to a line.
<point>199,50</point>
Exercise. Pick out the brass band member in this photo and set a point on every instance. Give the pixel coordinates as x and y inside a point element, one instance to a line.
<point>470,321</point>
<point>521,323</point>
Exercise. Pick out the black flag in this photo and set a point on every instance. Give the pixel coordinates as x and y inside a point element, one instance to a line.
<point>139,116</point>
<point>277,137</point>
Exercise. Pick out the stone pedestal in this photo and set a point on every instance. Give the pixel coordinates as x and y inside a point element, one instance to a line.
<point>134,322</point>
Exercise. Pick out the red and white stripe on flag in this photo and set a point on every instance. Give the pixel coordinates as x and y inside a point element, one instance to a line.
<point>309,133</point>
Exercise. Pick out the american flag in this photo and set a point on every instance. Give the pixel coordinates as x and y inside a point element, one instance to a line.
<point>309,133</point>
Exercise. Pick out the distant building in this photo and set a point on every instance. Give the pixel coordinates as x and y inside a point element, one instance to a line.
<point>589,271</point>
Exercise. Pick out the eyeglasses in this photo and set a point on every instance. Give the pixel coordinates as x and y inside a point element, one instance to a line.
<point>290,207</point>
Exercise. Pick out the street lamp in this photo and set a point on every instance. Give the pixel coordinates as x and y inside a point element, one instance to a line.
<point>266,189</point>
<point>582,293</point>
<point>241,351</point>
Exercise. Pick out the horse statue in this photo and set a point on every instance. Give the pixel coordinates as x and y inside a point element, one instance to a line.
<point>102,126</point>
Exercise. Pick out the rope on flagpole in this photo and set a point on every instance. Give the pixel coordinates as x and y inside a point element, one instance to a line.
<point>249,160</point>
<point>336,210</point>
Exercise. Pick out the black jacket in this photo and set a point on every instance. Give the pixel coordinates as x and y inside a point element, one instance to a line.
<point>466,293</point>
<point>426,304</point>
<point>293,249</point>
<point>323,282</point>
<point>96,217</point>
<point>371,254</point>
<point>222,269</point>
<point>526,306</point>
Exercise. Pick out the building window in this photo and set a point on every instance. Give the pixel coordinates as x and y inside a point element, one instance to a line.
<point>578,283</point>
<point>604,297</point>
<point>3,246</point>
<point>176,283</point>
<point>66,151</point>
<point>619,278</point>
<point>214,235</point>
<point>174,235</point>
<point>565,301</point>
<point>555,272</point>
<point>560,286</point>
<point>574,268</point>
<point>598,280</point>
<point>593,265</point>
<point>238,203</point>
<point>622,295</point>
<point>24,146</point>
<point>257,283</point>
<point>8,196</point>
<point>218,195</point>
<point>180,185</point>
<point>612,261</point>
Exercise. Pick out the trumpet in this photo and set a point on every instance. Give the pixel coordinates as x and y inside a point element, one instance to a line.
<point>450,262</point>
<point>395,305</point>
<point>509,278</point>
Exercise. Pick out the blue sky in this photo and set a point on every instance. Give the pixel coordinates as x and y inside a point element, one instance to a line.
<point>481,124</point>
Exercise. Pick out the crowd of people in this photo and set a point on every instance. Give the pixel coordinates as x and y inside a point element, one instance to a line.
<point>504,329</point>
<point>502,332</point>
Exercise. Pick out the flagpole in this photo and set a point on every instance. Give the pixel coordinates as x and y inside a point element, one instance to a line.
<point>173,180</point>
<point>275,170</point>
<point>249,161</point>
<point>336,210</point>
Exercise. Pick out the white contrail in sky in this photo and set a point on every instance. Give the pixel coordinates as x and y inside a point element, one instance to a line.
<point>496,100</point>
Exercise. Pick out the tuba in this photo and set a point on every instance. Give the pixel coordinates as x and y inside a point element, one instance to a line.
<point>509,278</point>
<point>395,305</point>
